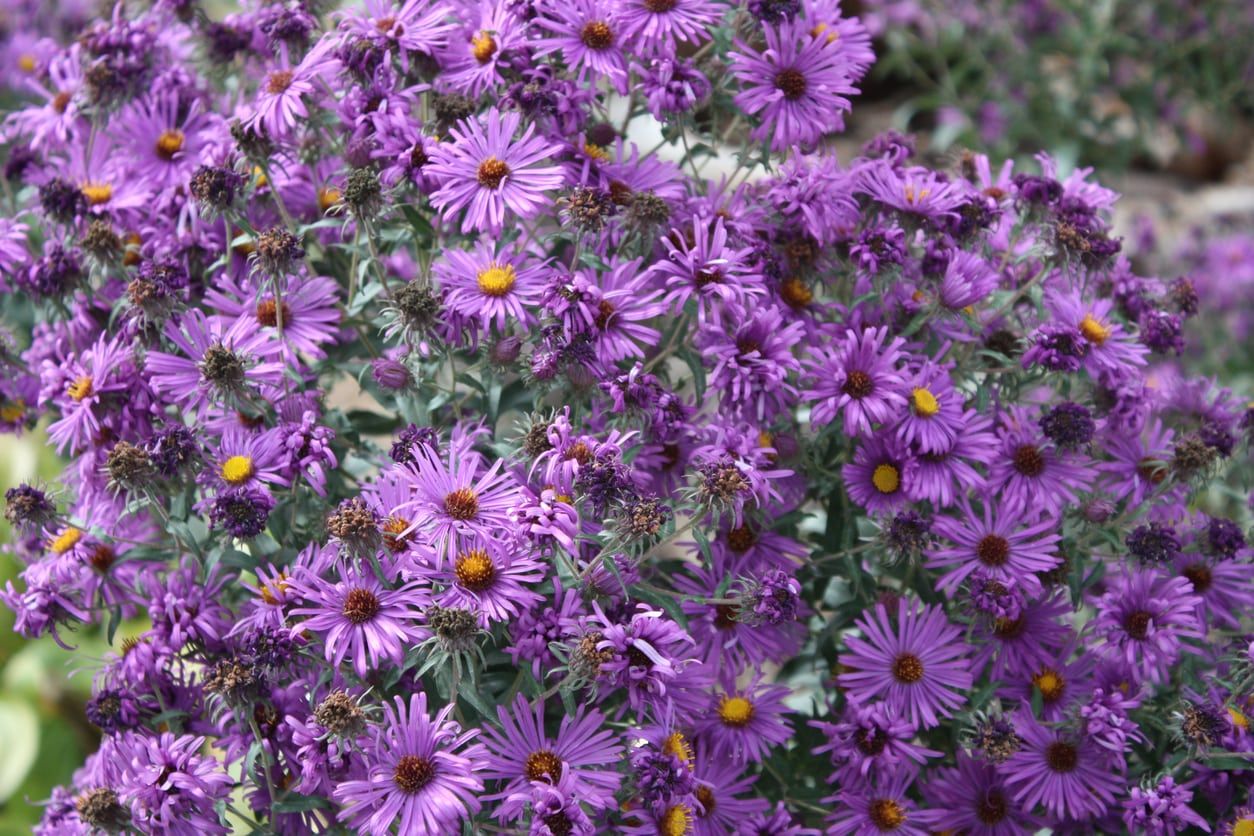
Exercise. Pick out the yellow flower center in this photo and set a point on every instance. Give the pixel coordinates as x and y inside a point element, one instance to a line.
<point>81,388</point>
<point>66,540</point>
<point>169,143</point>
<point>97,193</point>
<point>925,403</point>
<point>676,744</point>
<point>26,63</point>
<point>237,470</point>
<point>822,29</point>
<point>259,176</point>
<point>483,47</point>
<point>14,411</point>
<point>735,711</point>
<point>1238,718</point>
<point>328,196</point>
<point>268,590</point>
<point>497,280</point>
<point>475,570</point>
<point>1050,683</point>
<point>913,196</point>
<point>886,479</point>
<point>1094,331</point>
<point>677,821</point>
<point>1243,827</point>
<point>596,152</point>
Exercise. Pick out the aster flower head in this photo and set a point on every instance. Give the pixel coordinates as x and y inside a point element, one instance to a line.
<point>487,173</point>
<point>421,772</point>
<point>1144,619</point>
<point>916,663</point>
<point>1068,775</point>
<point>995,542</point>
<point>589,36</point>
<point>646,654</point>
<point>358,617</point>
<point>494,284</point>
<point>798,86</point>
<point>744,723</point>
<point>168,784</point>
<point>578,756</point>
<point>857,376</point>
<point>869,808</point>
<point>871,741</point>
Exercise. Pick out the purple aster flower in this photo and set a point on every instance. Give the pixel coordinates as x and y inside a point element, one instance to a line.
<point>489,578</point>
<point>582,755</point>
<point>219,364</point>
<point>645,654</point>
<point>935,415</point>
<point>280,104</point>
<point>798,86</point>
<point>743,724</point>
<point>420,774</point>
<point>1069,776</point>
<point>493,284</point>
<point>750,357</point>
<point>1143,619</point>
<point>1057,347</point>
<point>455,500</point>
<point>244,458</point>
<point>718,809</point>
<point>589,36</point>
<point>702,265</point>
<point>876,808</point>
<point>740,635</point>
<point>968,280</point>
<point>168,138</point>
<point>777,821</point>
<point>359,617</point>
<point>1022,645</point>
<point>973,798</point>
<point>1110,349</point>
<point>857,375</point>
<point>82,387</point>
<point>919,665</point>
<point>169,785</point>
<point>612,307</point>
<point>912,191</point>
<point>306,310</point>
<point>882,475</point>
<point>996,541</point>
<point>478,58</point>
<point>1225,587</point>
<point>871,741</point>
<point>671,86</point>
<point>485,171</point>
<point>1031,475</point>
<point>654,26</point>
<point>1162,810</point>
<point>243,512</point>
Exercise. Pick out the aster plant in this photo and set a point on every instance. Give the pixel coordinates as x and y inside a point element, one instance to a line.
<point>443,457</point>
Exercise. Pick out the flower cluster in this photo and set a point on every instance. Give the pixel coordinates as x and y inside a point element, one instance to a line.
<point>514,416</point>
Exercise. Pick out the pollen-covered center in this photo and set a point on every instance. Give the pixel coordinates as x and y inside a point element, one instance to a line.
<point>278,82</point>
<point>170,143</point>
<point>543,764</point>
<point>677,821</point>
<point>237,470</point>
<point>360,605</point>
<point>735,711</point>
<point>412,773</point>
<point>1062,757</point>
<point>925,403</point>
<point>1028,460</point>
<point>394,536</point>
<point>497,280</point>
<point>461,504</point>
<point>858,384</point>
<point>886,814</point>
<point>886,478</point>
<point>792,83</point>
<point>268,313</point>
<point>1050,683</point>
<point>907,668</point>
<point>597,34</point>
<point>1200,575</point>
<point>491,172</point>
<point>993,550</point>
<point>97,193</point>
<point>81,388</point>
<point>66,540</point>
<point>1093,330</point>
<point>659,7</point>
<point>483,47</point>
<point>475,570</point>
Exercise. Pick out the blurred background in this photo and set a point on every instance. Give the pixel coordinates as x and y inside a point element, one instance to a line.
<point>1157,95</point>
